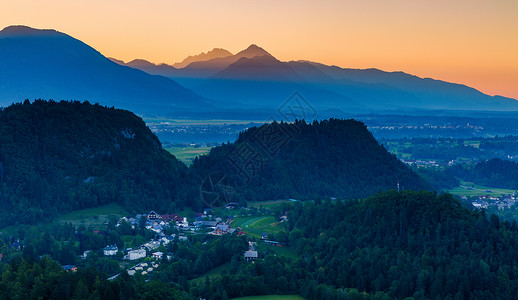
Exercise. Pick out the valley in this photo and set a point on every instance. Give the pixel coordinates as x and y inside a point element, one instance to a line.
<point>335,151</point>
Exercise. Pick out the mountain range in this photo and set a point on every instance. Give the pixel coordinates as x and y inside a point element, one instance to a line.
<point>255,78</point>
<point>52,65</point>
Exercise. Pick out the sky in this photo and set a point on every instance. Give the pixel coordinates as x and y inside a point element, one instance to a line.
<point>472,42</point>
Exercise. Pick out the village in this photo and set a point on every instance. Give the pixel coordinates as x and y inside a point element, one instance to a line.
<point>174,228</point>
<point>502,202</point>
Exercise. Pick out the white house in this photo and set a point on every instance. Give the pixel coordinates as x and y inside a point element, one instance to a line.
<point>136,254</point>
<point>110,250</point>
<point>158,255</point>
<point>152,215</point>
<point>251,255</point>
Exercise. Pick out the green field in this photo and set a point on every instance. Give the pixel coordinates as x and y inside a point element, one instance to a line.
<point>278,250</point>
<point>255,226</point>
<point>218,271</point>
<point>97,216</point>
<point>187,154</point>
<point>470,189</point>
<point>272,297</point>
<point>267,204</point>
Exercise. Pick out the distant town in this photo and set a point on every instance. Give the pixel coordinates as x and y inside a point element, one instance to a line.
<point>171,228</point>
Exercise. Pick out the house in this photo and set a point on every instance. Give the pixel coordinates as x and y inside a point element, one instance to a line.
<point>136,254</point>
<point>131,272</point>
<point>69,268</point>
<point>121,220</point>
<point>167,239</point>
<point>158,255</point>
<point>251,255</point>
<point>110,250</point>
<point>85,254</point>
<point>183,224</point>
<point>206,223</point>
<point>157,228</point>
<point>152,245</point>
<point>155,225</point>
<point>16,245</point>
<point>284,217</point>
<point>275,243</point>
<point>171,217</point>
<point>221,229</point>
<point>152,215</point>
<point>133,222</point>
<point>231,205</point>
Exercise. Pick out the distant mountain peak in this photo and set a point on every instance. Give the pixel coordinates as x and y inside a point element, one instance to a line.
<point>117,61</point>
<point>136,63</point>
<point>214,53</point>
<point>22,30</point>
<point>253,51</point>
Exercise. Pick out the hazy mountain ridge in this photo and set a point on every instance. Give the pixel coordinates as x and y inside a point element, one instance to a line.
<point>52,65</point>
<point>214,53</point>
<point>263,80</point>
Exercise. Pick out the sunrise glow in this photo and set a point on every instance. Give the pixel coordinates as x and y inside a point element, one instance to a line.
<point>470,42</point>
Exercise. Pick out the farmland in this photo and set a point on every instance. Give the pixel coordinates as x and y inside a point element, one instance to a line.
<point>187,154</point>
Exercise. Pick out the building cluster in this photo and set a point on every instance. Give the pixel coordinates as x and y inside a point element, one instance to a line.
<point>202,221</point>
<point>486,201</point>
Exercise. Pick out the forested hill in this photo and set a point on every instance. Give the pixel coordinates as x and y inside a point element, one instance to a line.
<point>495,172</point>
<point>330,158</point>
<point>407,244</point>
<point>61,156</point>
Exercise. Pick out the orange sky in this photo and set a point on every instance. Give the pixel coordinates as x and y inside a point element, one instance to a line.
<point>473,42</point>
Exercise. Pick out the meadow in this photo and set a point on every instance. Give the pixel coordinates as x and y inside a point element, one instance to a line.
<point>470,189</point>
<point>187,154</point>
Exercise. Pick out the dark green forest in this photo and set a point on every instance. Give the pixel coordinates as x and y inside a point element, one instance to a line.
<point>494,172</point>
<point>56,157</point>
<point>61,156</point>
<point>330,158</point>
<point>393,245</point>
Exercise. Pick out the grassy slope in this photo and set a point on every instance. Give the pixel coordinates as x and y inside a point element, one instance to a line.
<point>470,189</point>
<point>266,204</point>
<point>187,154</point>
<point>218,271</point>
<point>255,226</point>
<point>272,297</point>
<point>97,216</point>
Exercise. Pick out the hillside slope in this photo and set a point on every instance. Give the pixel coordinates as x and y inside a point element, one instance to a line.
<point>56,157</point>
<point>407,244</point>
<point>331,158</point>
